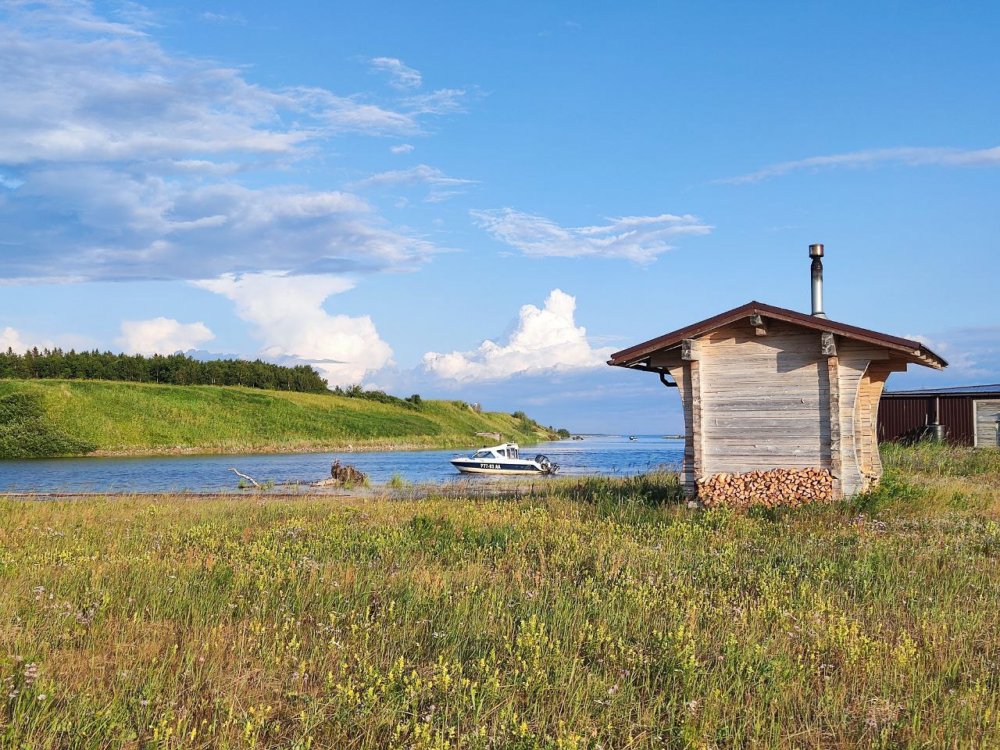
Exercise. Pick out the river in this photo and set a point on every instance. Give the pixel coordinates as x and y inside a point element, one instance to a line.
<point>594,455</point>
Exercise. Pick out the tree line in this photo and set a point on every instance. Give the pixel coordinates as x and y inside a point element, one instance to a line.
<point>173,369</point>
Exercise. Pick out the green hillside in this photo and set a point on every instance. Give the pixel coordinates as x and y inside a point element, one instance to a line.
<point>71,417</point>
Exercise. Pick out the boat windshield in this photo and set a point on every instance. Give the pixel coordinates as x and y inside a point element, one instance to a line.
<point>484,453</point>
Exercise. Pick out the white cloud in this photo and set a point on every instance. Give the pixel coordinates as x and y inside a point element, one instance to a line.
<point>288,316</point>
<point>415,175</point>
<point>162,336</point>
<point>907,156</point>
<point>402,148</point>
<point>545,339</point>
<point>223,18</point>
<point>636,238</point>
<point>972,353</point>
<point>442,187</point>
<point>143,226</point>
<point>122,160</point>
<point>10,338</point>
<point>21,341</point>
<point>400,76</point>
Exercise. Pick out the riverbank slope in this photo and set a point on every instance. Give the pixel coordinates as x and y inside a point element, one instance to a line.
<point>72,417</point>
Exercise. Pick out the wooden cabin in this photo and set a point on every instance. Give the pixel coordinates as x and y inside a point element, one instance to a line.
<point>766,388</point>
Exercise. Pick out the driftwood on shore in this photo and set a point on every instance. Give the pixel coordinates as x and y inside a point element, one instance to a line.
<point>247,477</point>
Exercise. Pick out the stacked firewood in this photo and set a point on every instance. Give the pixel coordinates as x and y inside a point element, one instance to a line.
<point>772,488</point>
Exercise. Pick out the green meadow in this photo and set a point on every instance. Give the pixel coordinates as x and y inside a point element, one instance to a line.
<point>590,614</point>
<point>71,417</point>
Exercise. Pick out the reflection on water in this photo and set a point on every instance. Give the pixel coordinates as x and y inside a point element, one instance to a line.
<point>597,455</point>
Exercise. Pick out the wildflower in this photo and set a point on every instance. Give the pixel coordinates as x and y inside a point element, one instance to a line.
<point>41,696</point>
<point>30,673</point>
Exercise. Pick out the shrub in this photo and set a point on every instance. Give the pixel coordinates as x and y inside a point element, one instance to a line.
<point>26,432</point>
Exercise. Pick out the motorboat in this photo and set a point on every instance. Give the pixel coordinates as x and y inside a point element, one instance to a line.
<point>503,459</point>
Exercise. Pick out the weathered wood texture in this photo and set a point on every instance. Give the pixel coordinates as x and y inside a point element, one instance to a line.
<point>862,370</point>
<point>833,415</point>
<point>986,414</point>
<point>790,399</point>
<point>869,463</point>
<point>764,403</point>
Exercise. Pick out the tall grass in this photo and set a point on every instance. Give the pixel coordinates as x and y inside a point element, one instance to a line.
<point>134,418</point>
<point>941,459</point>
<point>590,614</point>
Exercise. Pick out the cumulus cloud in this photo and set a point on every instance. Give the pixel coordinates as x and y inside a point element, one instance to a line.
<point>906,156</point>
<point>545,339</point>
<point>402,148</point>
<point>401,76</point>
<point>288,317</point>
<point>122,160</point>
<point>162,336</point>
<point>21,341</point>
<point>10,338</point>
<point>636,238</point>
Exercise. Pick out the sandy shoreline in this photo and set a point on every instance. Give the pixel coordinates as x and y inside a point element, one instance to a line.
<point>458,488</point>
<point>372,446</point>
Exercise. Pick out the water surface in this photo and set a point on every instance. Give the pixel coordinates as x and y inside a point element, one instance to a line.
<point>594,455</point>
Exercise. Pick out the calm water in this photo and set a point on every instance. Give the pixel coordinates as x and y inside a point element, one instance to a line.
<point>606,455</point>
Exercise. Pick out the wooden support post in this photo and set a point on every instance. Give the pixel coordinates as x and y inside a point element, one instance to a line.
<point>836,460</point>
<point>697,434</point>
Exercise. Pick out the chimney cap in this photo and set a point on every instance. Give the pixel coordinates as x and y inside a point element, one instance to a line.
<point>815,251</point>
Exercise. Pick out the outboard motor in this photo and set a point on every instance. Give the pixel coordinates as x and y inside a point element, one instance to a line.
<point>547,466</point>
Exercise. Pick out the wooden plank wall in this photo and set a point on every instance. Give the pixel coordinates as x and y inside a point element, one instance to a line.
<point>765,404</point>
<point>869,395</point>
<point>857,411</point>
<point>986,412</point>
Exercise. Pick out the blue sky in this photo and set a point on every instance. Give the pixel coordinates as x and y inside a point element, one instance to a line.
<point>481,201</point>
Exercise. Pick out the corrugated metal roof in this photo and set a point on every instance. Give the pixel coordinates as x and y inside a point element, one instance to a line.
<point>914,350</point>
<point>961,390</point>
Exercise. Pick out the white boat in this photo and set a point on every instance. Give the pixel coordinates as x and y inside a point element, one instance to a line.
<point>503,459</point>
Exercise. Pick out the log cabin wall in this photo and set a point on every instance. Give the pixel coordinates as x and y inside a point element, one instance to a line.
<point>764,401</point>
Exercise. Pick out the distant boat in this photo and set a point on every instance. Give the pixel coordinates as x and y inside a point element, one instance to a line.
<point>503,459</point>
<point>632,437</point>
<point>578,437</point>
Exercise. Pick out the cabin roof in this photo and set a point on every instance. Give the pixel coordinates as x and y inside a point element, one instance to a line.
<point>992,390</point>
<point>913,351</point>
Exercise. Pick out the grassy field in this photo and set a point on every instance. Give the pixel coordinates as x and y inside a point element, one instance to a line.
<point>595,614</point>
<point>60,417</point>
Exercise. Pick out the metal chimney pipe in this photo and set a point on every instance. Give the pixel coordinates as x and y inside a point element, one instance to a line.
<point>816,253</point>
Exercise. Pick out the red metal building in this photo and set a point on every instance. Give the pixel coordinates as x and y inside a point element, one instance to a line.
<point>968,415</point>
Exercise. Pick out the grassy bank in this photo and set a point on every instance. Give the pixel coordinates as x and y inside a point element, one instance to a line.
<point>594,614</point>
<point>67,417</point>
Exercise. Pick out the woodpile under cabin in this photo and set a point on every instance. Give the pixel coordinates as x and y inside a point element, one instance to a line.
<point>780,407</point>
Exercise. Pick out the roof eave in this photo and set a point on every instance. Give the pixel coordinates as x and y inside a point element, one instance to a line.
<point>634,354</point>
